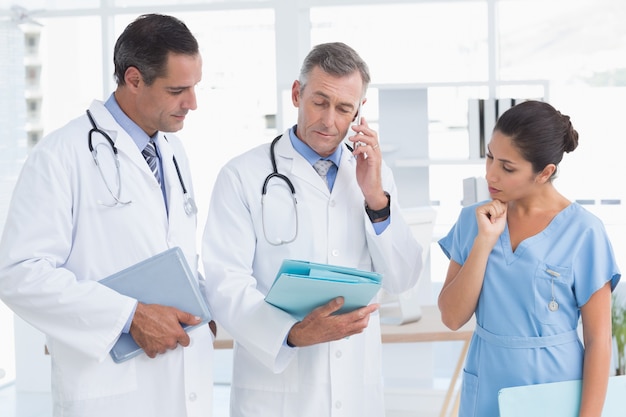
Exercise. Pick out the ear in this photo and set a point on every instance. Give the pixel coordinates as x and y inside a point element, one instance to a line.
<point>295,93</point>
<point>133,77</point>
<point>545,175</point>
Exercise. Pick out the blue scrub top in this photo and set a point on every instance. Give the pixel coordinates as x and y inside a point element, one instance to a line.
<point>519,340</point>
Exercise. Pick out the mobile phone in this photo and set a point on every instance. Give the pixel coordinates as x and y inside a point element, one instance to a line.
<point>351,132</point>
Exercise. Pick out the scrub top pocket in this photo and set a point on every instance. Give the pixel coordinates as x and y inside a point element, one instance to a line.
<point>553,293</point>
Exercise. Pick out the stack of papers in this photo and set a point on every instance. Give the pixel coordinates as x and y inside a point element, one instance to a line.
<point>301,286</point>
<point>164,279</point>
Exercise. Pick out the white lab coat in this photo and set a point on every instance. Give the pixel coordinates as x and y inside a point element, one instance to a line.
<point>341,378</point>
<point>59,240</point>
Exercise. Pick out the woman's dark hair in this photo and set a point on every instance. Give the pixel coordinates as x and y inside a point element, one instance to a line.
<point>146,44</point>
<point>540,132</point>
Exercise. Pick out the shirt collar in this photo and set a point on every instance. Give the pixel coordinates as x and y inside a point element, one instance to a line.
<point>309,154</point>
<point>140,137</point>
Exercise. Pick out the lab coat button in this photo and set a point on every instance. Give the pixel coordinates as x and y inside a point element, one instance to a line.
<point>338,404</point>
<point>192,396</point>
<point>335,252</point>
<point>331,203</point>
<point>338,354</point>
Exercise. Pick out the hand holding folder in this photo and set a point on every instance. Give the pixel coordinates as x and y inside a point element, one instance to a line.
<point>302,286</point>
<point>164,279</point>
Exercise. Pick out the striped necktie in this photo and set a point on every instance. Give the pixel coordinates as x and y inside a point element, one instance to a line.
<point>149,153</point>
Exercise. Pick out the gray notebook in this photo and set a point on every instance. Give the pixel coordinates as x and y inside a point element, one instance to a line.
<point>164,279</point>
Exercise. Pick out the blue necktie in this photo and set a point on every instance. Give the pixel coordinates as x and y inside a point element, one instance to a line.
<point>322,166</point>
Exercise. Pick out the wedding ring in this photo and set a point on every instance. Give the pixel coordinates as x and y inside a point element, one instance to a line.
<point>375,146</point>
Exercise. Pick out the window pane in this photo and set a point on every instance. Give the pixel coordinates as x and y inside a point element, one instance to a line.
<point>578,46</point>
<point>562,40</point>
<point>34,7</point>
<point>129,3</point>
<point>409,43</point>
<point>71,69</point>
<point>13,110</point>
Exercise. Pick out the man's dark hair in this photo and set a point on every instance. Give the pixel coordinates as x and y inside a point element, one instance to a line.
<point>146,44</point>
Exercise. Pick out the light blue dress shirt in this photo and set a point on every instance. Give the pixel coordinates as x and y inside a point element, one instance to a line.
<point>137,134</point>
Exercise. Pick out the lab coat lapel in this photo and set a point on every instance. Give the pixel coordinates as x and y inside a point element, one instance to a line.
<point>173,187</point>
<point>292,164</point>
<point>345,173</point>
<point>123,142</point>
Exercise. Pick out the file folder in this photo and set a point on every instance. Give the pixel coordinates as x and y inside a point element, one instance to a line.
<point>301,286</point>
<point>164,279</point>
<point>558,399</point>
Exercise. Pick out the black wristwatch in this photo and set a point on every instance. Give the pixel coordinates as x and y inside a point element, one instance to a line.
<point>383,213</point>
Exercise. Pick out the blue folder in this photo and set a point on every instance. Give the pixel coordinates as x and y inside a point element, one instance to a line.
<point>558,399</point>
<point>301,286</point>
<point>164,279</point>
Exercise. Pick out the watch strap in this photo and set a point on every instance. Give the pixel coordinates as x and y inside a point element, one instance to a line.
<point>379,214</point>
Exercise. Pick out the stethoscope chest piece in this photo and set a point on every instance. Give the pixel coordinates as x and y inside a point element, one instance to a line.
<point>553,305</point>
<point>189,205</point>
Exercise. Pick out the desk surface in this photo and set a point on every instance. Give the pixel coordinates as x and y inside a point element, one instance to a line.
<point>427,329</point>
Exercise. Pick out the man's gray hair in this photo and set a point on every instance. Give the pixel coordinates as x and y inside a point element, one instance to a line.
<point>337,59</point>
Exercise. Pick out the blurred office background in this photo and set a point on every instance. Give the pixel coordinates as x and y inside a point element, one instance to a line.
<point>430,60</point>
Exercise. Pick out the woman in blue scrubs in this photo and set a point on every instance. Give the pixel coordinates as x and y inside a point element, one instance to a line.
<point>530,263</point>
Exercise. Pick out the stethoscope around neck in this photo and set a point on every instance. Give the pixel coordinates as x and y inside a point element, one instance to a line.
<point>286,180</point>
<point>189,204</point>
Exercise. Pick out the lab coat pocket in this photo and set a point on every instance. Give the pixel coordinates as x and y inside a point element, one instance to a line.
<point>250,374</point>
<point>469,395</point>
<point>552,290</point>
<point>82,378</point>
